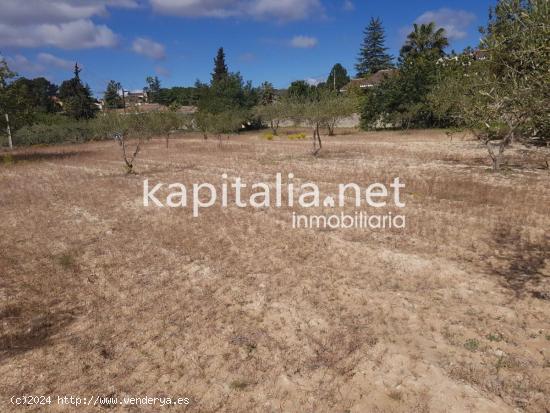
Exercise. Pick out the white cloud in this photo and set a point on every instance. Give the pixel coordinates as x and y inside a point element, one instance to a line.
<point>65,24</point>
<point>455,22</point>
<point>40,65</point>
<point>78,34</point>
<point>281,10</point>
<point>51,60</point>
<point>314,81</point>
<point>348,5</point>
<point>304,42</point>
<point>20,63</point>
<point>149,48</point>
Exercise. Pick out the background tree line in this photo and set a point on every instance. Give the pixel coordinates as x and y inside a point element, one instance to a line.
<point>500,90</point>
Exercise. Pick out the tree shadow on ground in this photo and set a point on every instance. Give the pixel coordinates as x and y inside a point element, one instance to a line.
<point>520,263</point>
<point>23,331</point>
<point>39,156</point>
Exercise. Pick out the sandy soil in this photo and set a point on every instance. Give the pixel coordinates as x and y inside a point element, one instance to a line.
<point>241,313</point>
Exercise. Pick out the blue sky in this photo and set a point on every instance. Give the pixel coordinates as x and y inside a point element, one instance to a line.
<point>275,40</point>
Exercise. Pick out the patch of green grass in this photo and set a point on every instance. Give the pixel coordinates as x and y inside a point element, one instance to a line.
<point>471,344</point>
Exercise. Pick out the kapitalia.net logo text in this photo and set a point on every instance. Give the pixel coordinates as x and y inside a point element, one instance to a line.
<point>235,192</point>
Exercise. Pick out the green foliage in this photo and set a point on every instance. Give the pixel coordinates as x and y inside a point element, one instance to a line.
<point>112,97</point>
<point>59,129</point>
<point>471,344</point>
<point>267,94</point>
<point>403,100</point>
<point>77,99</point>
<point>297,136</point>
<point>220,68</point>
<point>227,94</point>
<point>338,78</point>
<point>226,122</point>
<point>373,55</point>
<point>505,95</point>
<point>272,114</point>
<point>224,105</point>
<point>5,73</point>
<point>25,100</point>
<point>33,95</point>
<point>336,107</point>
<point>153,89</point>
<point>178,96</point>
<point>69,132</point>
<point>425,40</point>
<point>301,90</point>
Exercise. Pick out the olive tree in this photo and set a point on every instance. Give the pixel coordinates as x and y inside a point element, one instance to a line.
<point>126,127</point>
<point>225,123</point>
<point>166,123</point>
<point>221,123</point>
<point>337,107</point>
<point>311,112</point>
<point>504,96</point>
<point>322,109</point>
<point>272,113</point>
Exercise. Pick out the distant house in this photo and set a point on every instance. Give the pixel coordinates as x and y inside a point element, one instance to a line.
<point>136,98</point>
<point>371,81</point>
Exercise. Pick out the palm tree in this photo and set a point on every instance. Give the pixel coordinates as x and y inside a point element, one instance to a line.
<point>425,39</point>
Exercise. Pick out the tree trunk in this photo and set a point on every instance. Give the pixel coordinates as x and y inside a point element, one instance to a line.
<point>316,139</point>
<point>496,156</point>
<point>331,126</point>
<point>8,129</point>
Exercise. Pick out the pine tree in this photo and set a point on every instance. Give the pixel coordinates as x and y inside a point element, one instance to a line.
<point>77,71</point>
<point>220,68</point>
<point>77,98</point>
<point>373,56</point>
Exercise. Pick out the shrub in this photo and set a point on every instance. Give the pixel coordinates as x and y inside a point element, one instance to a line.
<point>297,136</point>
<point>268,136</point>
<point>72,132</point>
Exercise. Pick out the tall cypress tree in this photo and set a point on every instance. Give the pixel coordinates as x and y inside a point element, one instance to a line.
<point>373,55</point>
<point>220,68</point>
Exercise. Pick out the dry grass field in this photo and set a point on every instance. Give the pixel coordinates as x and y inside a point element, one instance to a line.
<point>241,313</point>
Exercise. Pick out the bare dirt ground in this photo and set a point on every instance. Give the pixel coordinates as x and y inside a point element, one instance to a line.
<point>241,313</point>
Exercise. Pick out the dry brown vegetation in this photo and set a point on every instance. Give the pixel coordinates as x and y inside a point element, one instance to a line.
<point>241,313</point>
